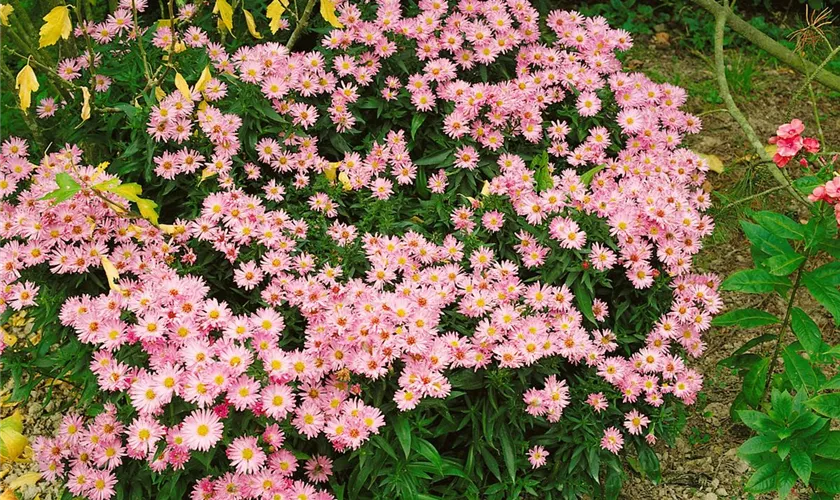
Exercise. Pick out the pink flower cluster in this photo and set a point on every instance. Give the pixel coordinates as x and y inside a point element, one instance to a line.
<point>829,193</point>
<point>789,142</point>
<point>645,189</point>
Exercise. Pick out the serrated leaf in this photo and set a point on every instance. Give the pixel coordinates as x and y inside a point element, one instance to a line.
<point>780,225</point>
<point>754,281</point>
<point>801,464</point>
<point>755,380</point>
<point>57,25</point>
<point>758,444</point>
<point>825,294</point>
<point>67,188</point>
<point>784,264</point>
<point>745,318</point>
<point>799,371</point>
<point>806,330</point>
<point>826,404</point>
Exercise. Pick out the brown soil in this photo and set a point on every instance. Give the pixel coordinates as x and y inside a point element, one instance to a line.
<point>703,463</point>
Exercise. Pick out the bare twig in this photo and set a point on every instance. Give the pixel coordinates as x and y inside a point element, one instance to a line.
<point>302,23</point>
<point>771,46</point>
<point>740,119</point>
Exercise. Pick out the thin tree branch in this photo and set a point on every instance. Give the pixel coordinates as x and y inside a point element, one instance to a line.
<point>769,45</point>
<point>303,22</point>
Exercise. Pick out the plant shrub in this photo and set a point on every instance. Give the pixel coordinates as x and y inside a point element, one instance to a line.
<point>393,261</point>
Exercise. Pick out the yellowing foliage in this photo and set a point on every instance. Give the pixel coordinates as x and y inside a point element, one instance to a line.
<point>57,25</point>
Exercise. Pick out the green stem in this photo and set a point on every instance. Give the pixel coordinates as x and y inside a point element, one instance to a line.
<point>774,359</point>
<point>752,197</point>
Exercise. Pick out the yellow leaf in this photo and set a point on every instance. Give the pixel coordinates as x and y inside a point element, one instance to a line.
<point>5,12</point>
<point>130,191</point>
<point>485,189</point>
<point>344,179</point>
<point>57,26</point>
<point>147,210</point>
<point>225,12</point>
<point>159,93</point>
<point>274,12</point>
<point>27,479</point>
<point>252,26</point>
<point>111,273</point>
<point>181,85</point>
<point>205,77</point>
<point>26,83</point>
<point>330,171</point>
<point>328,13</point>
<point>8,495</point>
<point>85,104</point>
<point>206,174</point>
<point>714,162</point>
<point>771,149</point>
<point>12,442</point>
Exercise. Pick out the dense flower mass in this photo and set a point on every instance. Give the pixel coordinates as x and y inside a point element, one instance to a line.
<point>637,212</point>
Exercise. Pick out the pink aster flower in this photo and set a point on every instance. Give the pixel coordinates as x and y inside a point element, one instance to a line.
<point>537,456</point>
<point>612,441</point>
<point>202,429</point>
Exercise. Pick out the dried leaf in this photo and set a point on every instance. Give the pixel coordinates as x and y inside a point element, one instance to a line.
<point>225,12</point>
<point>111,273</point>
<point>147,210</point>
<point>85,104</point>
<point>182,86</point>
<point>27,479</point>
<point>713,161</point>
<point>328,13</point>
<point>205,77</point>
<point>12,442</point>
<point>5,11</point>
<point>252,26</point>
<point>26,83</point>
<point>275,12</point>
<point>57,26</point>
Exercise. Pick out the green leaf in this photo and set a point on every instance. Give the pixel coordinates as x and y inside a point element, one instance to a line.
<point>757,421</point>
<point>755,380</point>
<point>147,210</point>
<point>800,462</point>
<point>491,462</point>
<point>437,160</point>
<point>403,430</point>
<point>758,444</point>
<point>587,176</point>
<point>416,121</point>
<point>826,404</point>
<point>765,241</point>
<point>584,301</point>
<point>745,318</point>
<point>806,330</point>
<point>780,225</point>
<point>507,453</point>
<point>828,273</point>
<point>766,471</point>
<point>67,188</point>
<point>830,448</point>
<point>754,281</point>
<point>831,247</point>
<point>649,463</point>
<point>784,264</point>
<point>825,294</point>
<point>799,371</point>
<point>782,403</point>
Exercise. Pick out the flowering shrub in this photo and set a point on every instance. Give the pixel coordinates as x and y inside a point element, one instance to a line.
<point>440,230</point>
<point>794,440</point>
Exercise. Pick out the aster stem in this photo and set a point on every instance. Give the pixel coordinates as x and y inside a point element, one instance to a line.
<point>754,196</point>
<point>740,119</point>
<point>303,22</point>
<point>774,359</point>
